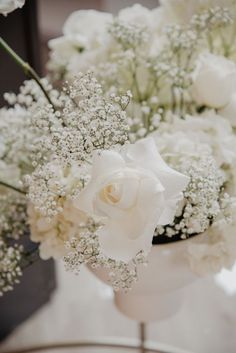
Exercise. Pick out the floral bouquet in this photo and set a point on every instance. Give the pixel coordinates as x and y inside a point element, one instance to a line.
<point>135,148</point>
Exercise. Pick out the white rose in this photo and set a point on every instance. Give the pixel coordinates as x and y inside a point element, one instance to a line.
<point>229,111</point>
<point>214,81</point>
<point>134,192</point>
<point>90,24</point>
<point>136,15</point>
<point>66,46</point>
<point>7,6</point>
<point>54,233</point>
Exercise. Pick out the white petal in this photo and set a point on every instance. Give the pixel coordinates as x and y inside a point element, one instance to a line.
<point>123,239</point>
<point>118,247</point>
<point>129,188</point>
<point>105,163</point>
<point>169,211</point>
<point>145,153</point>
<point>84,201</point>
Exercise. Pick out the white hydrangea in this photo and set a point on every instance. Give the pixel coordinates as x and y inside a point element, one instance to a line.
<point>53,218</point>
<point>52,234</point>
<point>213,250</point>
<point>91,25</point>
<point>209,130</point>
<point>83,31</point>
<point>138,14</point>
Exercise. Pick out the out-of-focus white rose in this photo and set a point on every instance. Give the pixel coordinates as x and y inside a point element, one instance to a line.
<point>229,111</point>
<point>65,47</point>
<point>214,80</point>
<point>133,192</point>
<point>7,6</point>
<point>85,39</point>
<point>89,24</point>
<point>63,50</point>
<point>54,233</point>
<point>136,15</point>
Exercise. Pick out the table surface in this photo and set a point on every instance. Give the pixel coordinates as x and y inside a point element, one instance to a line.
<point>82,308</point>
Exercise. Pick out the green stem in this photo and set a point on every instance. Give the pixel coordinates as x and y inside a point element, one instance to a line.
<point>12,187</point>
<point>28,70</point>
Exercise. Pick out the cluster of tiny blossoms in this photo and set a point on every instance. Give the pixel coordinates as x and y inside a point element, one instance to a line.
<point>10,270</point>
<point>13,217</point>
<point>87,121</point>
<point>204,198</point>
<point>86,250</point>
<point>129,35</point>
<point>212,18</point>
<point>52,184</point>
<point>13,225</point>
<point>18,134</point>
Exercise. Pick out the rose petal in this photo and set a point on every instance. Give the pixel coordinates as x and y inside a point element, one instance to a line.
<point>123,239</point>
<point>145,153</point>
<point>104,163</point>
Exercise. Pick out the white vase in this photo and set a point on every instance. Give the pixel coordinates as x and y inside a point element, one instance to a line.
<point>158,293</point>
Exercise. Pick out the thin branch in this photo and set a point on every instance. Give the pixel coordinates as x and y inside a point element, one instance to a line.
<point>28,70</point>
<point>12,187</point>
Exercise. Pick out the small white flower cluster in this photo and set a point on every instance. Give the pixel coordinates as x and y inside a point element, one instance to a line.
<point>13,216</point>
<point>51,185</point>
<point>19,137</point>
<point>10,270</point>
<point>86,250</point>
<point>86,121</point>
<point>203,198</point>
<point>129,35</point>
<point>13,225</point>
<point>214,17</point>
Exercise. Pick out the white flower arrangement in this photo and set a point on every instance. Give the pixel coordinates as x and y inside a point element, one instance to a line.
<point>136,150</point>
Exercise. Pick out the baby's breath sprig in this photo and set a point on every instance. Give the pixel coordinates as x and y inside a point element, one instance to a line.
<point>86,250</point>
<point>203,198</point>
<point>10,271</point>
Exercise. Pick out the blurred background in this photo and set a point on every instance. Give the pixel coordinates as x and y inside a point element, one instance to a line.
<point>82,307</point>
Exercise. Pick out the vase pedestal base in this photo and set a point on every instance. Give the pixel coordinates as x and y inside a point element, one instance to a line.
<point>149,308</point>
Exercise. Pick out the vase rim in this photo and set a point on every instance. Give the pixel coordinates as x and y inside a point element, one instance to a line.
<point>172,243</point>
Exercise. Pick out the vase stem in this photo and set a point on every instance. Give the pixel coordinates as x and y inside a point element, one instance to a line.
<point>142,335</point>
